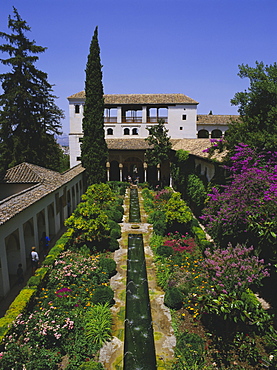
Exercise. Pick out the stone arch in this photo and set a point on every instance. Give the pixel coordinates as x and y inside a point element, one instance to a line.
<point>69,203</point>
<point>51,220</point>
<point>133,166</point>
<point>114,171</point>
<point>203,134</point>
<point>77,192</point>
<point>13,254</point>
<point>29,238</point>
<point>41,226</point>
<point>126,131</point>
<point>73,198</point>
<point>216,134</point>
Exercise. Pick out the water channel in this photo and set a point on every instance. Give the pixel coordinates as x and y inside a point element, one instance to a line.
<point>142,337</point>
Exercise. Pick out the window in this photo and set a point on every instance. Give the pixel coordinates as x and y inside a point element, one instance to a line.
<point>110,131</point>
<point>181,128</point>
<point>77,108</point>
<point>126,131</point>
<point>78,158</point>
<point>135,131</point>
<point>80,139</point>
<point>184,117</point>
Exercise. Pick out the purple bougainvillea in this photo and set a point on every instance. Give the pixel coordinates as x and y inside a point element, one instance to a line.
<point>244,211</point>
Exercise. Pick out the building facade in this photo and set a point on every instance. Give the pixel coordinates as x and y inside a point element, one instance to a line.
<point>33,200</point>
<point>127,118</point>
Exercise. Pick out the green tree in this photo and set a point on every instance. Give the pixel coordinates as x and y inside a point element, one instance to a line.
<point>94,150</point>
<point>29,117</point>
<point>160,145</point>
<point>257,108</point>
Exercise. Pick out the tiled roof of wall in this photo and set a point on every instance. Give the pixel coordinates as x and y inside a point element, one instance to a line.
<point>130,144</point>
<point>45,182</point>
<point>141,99</point>
<point>196,147</point>
<point>216,119</point>
<point>193,146</point>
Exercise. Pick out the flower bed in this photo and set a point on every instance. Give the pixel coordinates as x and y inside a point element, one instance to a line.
<point>68,318</point>
<point>218,321</point>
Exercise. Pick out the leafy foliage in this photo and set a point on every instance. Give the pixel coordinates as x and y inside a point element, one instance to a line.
<point>177,211</point>
<point>98,321</point>
<point>257,108</point>
<point>159,141</point>
<point>29,117</point>
<point>94,156</point>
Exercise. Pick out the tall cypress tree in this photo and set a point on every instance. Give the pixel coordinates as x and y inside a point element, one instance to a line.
<point>94,151</point>
<point>29,117</point>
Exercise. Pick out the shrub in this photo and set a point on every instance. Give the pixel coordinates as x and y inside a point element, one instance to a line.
<point>233,269</point>
<point>91,365</point>
<point>196,191</point>
<point>159,227</point>
<point>164,250</point>
<point>115,233</point>
<point>157,218</point>
<point>114,215</point>
<point>113,245</point>
<point>146,193</point>
<point>103,294</point>
<point>173,298</point>
<point>177,211</point>
<point>108,265</point>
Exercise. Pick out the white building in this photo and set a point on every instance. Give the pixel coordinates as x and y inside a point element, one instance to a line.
<point>126,120</point>
<point>33,200</point>
<point>129,116</point>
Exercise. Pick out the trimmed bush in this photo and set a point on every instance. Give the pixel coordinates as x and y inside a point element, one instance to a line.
<point>115,233</point>
<point>113,245</point>
<point>114,214</point>
<point>164,250</point>
<point>103,294</point>
<point>108,265</point>
<point>173,298</point>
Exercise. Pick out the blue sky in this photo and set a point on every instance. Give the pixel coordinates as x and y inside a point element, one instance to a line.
<point>151,46</point>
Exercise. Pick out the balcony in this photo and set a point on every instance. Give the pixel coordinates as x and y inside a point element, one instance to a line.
<point>134,119</point>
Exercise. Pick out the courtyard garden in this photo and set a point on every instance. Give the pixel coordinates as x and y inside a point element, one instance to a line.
<point>212,285</point>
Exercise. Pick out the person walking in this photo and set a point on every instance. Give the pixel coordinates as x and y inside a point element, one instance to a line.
<point>34,259</point>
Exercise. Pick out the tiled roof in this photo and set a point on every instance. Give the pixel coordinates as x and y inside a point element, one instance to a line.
<point>141,99</point>
<point>27,173</point>
<point>130,144</point>
<point>196,147</point>
<point>193,146</point>
<point>45,182</point>
<point>216,119</point>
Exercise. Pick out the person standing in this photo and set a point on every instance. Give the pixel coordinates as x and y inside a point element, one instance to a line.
<point>44,242</point>
<point>34,259</point>
<point>20,274</point>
